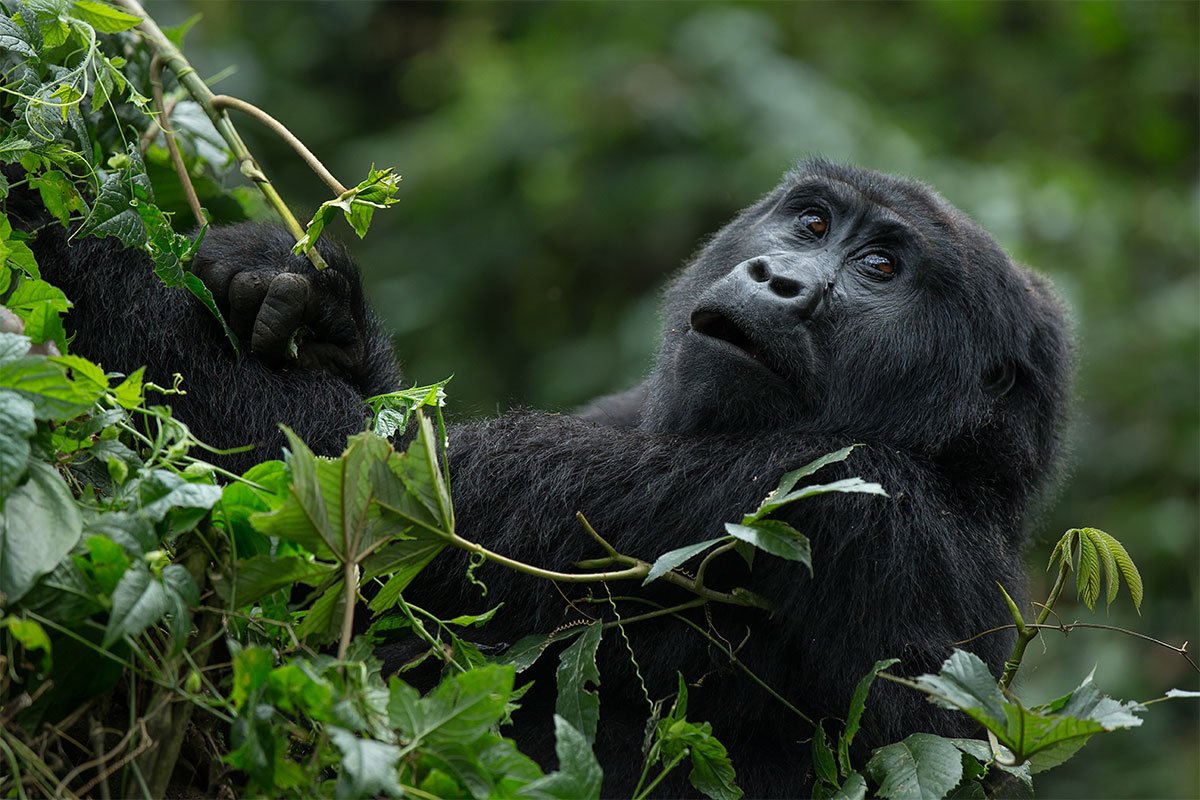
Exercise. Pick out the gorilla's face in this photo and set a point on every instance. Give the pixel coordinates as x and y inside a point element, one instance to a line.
<point>846,301</point>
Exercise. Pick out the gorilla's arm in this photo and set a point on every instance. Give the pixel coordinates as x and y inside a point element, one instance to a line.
<point>125,318</point>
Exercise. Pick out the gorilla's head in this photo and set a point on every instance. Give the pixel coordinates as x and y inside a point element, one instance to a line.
<point>854,303</point>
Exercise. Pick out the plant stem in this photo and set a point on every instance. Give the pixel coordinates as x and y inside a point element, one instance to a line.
<point>223,101</point>
<point>639,570</point>
<point>350,572</point>
<point>170,55</point>
<point>185,180</point>
<point>1027,633</point>
<point>1067,627</point>
<point>675,761</point>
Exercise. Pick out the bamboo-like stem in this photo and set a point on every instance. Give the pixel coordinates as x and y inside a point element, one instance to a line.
<point>189,191</point>
<point>223,101</point>
<point>187,76</point>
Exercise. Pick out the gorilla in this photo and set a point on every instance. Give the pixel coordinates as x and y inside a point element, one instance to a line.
<point>844,306</point>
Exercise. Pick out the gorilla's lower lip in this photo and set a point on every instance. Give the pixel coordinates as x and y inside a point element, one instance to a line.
<point>715,325</point>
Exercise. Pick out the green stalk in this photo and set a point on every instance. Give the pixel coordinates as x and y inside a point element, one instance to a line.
<point>1027,633</point>
<point>187,76</point>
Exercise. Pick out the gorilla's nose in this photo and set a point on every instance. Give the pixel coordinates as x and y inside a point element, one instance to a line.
<point>784,281</point>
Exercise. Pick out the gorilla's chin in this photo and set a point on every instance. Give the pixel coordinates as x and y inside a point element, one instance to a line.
<point>710,385</point>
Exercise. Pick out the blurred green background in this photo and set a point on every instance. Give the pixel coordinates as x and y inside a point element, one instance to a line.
<point>561,160</point>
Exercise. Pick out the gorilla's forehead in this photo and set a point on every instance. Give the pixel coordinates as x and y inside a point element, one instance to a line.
<point>887,196</point>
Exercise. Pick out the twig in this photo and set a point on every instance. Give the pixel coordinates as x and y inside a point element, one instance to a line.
<point>187,76</point>
<point>1068,627</point>
<point>223,101</point>
<point>189,191</point>
<point>96,737</point>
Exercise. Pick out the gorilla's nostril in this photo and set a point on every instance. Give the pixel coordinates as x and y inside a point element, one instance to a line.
<point>784,287</point>
<point>758,271</point>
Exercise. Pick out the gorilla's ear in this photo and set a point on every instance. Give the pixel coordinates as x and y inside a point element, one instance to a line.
<point>998,380</point>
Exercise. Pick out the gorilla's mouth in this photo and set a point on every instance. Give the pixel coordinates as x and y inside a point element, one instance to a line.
<point>716,325</point>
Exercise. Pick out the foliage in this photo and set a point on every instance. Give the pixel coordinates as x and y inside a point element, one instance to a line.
<point>128,562</point>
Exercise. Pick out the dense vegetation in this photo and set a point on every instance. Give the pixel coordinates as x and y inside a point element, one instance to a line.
<point>126,561</point>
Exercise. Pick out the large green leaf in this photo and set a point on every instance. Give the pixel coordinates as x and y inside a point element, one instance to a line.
<point>253,579</point>
<point>576,703</point>
<point>16,426</point>
<point>329,509</point>
<point>39,526</point>
<point>461,709</point>
<point>45,384</point>
<point>922,767</point>
<point>1046,735</point>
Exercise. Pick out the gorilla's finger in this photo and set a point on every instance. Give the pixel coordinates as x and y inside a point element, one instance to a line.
<point>216,275</point>
<point>281,315</point>
<point>246,293</point>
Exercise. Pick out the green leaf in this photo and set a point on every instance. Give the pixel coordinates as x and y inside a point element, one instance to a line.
<point>527,650</point>
<point>461,709</point>
<point>38,528</point>
<point>164,496</point>
<point>14,39</point>
<point>108,562</point>
<point>824,765</point>
<point>104,18</point>
<point>368,767</point>
<point>853,788</point>
<point>579,775</point>
<point>775,537</point>
<point>672,559</point>
<point>31,635</point>
<point>45,384</point>
<point>712,771</point>
<point>139,601</point>
<point>253,579</point>
<point>358,204</point>
<point>1046,735</point>
<point>251,668</point>
<point>848,485</point>
<point>922,767</point>
<point>202,293</point>
<point>393,411</point>
<point>790,479</point>
<point>323,620</point>
<point>114,212</point>
<point>403,560</point>
<point>1088,575</point>
<point>858,704</point>
<point>577,704</point>
<point>475,620</point>
<point>1129,571</point>
<point>58,194</point>
<point>330,508</point>
<point>16,427</point>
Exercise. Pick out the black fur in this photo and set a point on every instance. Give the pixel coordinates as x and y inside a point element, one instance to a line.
<point>954,372</point>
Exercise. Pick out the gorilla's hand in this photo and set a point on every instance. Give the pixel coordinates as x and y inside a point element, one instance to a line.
<point>278,303</point>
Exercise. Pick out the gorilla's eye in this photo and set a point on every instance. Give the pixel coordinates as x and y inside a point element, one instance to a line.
<point>880,262</point>
<point>814,221</point>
